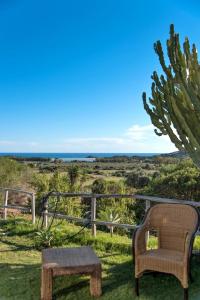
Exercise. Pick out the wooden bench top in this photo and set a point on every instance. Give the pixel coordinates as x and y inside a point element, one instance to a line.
<point>69,257</point>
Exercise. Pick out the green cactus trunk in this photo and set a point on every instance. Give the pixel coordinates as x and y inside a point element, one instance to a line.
<point>174,106</point>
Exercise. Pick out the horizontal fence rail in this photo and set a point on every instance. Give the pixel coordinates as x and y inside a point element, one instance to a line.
<point>94,198</point>
<point>6,206</point>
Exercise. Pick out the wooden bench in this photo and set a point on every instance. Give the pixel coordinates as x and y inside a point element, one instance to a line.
<point>68,261</point>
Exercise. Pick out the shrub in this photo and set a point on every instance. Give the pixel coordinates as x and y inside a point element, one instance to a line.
<point>181,181</point>
<point>99,186</point>
<point>12,173</point>
<point>137,180</point>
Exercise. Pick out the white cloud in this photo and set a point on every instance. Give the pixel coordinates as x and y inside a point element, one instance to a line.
<point>144,139</point>
<point>138,133</point>
<point>33,144</point>
<point>93,139</point>
<point>14,146</point>
<point>135,139</point>
<point>6,143</point>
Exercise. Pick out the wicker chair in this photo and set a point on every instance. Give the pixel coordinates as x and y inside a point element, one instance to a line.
<point>175,225</point>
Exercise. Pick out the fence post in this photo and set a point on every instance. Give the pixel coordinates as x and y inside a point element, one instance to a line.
<point>45,214</point>
<point>33,207</point>
<point>5,204</point>
<point>93,216</point>
<point>147,206</point>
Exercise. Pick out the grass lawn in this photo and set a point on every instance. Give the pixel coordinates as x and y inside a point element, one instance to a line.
<point>20,268</point>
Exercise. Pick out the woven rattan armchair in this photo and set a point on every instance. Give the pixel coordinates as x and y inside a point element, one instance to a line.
<point>175,226</point>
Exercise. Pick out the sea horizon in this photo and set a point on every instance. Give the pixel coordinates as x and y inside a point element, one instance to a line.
<point>68,156</point>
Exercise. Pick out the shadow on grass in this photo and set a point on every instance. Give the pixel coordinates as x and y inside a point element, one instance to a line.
<point>73,288</point>
<point>114,277</point>
<point>19,281</point>
<point>120,281</point>
<point>18,247</point>
<point>9,226</point>
<point>22,281</point>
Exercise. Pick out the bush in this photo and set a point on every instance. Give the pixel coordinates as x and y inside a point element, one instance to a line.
<point>12,173</point>
<point>180,181</point>
<point>137,180</point>
<point>99,186</point>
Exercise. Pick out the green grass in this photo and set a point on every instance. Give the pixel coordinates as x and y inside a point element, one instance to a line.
<point>20,268</point>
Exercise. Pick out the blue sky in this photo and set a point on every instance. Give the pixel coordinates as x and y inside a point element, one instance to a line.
<point>72,72</point>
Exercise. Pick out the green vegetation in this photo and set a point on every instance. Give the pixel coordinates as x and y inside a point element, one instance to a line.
<point>12,173</point>
<point>73,175</point>
<point>137,180</point>
<point>21,243</point>
<point>180,181</point>
<point>21,262</point>
<point>164,176</point>
<point>175,102</point>
<point>110,215</point>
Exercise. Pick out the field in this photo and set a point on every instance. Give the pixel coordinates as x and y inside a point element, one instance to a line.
<point>21,243</point>
<point>110,169</point>
<point>20,268</point>
<point>170,177</point>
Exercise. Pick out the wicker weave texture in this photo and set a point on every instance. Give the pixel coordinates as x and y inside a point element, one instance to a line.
<point>175,225</point>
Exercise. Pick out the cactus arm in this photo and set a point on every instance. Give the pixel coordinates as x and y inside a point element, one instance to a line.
<point>174,106</point>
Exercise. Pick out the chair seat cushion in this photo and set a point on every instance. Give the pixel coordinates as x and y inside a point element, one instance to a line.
<point>161,260</point>
<point>163,254</point>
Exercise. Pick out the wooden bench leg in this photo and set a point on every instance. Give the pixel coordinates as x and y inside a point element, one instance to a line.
<point>46,284</point>
<point>95,282</point>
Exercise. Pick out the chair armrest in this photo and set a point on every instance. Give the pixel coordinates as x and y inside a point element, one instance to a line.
<point>189,240</point>
<point>139,240</point>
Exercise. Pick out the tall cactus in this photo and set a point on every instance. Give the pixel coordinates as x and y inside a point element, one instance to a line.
<point>174,106</point>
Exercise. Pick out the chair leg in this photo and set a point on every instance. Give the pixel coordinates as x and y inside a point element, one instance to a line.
<point>137,286</point>
<point>186,294</point>
<point>190,276</point>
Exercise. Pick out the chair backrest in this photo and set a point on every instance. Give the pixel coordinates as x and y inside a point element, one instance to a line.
<point>173,223</point>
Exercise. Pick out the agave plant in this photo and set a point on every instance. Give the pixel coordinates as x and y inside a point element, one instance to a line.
<point>109,215</point>
<point>44,238</point>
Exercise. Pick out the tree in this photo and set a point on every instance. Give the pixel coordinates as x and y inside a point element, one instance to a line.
<point>174,106</point>
<point>136,180</point>
<point>58,182</point>
<point>12,173</point>
<point>180,181</point>
<point>115,187</point>
<point>99,186</point>
<point>73,175</point>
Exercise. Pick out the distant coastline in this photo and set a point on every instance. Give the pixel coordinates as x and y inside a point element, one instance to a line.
<point>74,156</point>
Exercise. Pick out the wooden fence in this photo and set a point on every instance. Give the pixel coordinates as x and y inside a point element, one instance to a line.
<point>6,205</point>
<point>94,198</point>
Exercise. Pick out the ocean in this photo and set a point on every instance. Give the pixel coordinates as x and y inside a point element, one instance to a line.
<point>75,156</point>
